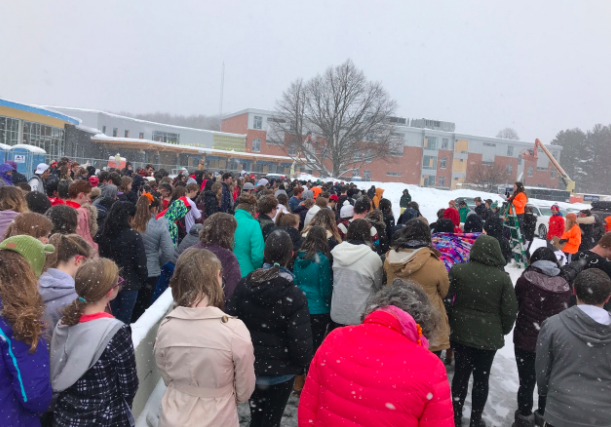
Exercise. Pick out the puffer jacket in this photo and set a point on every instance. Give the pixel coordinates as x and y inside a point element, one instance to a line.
<point>314,277</point>
<point>591,232</point>
<point>158,245</point>
<point>425,268</point>
<point>556,226</point>
<point>378,377</point>
<point>25,384</point>
<point>481,302</point>
<point>211,203</point>
<point>249,243</point>
<point>574,240</point>
<point>57,291</point>
<point>376,199</point>
<point>519,201</point>
<point>542,293</point>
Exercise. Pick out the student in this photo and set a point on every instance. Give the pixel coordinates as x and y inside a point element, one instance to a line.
<point>93,365</point>
<point>25,389</point>
<point>64,219</point>
<point>31,224</point>
<point>571,238</point>
<point>12,203</point>
<point>275,312</point>
<point>56,284</point>
<point>249,241</point>
<point>572,365</point>
<point>220,372</point>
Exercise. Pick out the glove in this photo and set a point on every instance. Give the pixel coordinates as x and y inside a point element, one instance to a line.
<point>563,241</point>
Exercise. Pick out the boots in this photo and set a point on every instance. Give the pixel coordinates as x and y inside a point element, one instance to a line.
<point>524,420</point>
<point>539,421</point>
<point>449,356</point>
<point>298,384</point>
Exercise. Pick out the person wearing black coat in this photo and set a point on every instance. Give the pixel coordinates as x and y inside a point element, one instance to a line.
<point>494,228</point>
<point>591,230</point>
<point>211,203</point>
<point>275,311</point>
<point>118,242</point>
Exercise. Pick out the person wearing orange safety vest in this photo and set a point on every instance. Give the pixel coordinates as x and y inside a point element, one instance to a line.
<point>518,200</point>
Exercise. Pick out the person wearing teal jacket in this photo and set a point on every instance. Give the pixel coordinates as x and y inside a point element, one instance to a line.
<point>463,211</point>
<point>249,243</point>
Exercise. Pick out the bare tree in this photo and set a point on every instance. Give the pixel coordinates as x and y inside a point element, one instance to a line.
<point>488,177</point>
<point>508,133</point>
<point>336,121</point>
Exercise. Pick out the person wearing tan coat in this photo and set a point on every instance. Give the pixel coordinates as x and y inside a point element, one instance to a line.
<point>413,258</point>
<point>206,357</point>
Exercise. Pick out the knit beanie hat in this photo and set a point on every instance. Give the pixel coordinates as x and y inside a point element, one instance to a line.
<point>33,250</point>
<point>494,205</point>
<point>346,212</point>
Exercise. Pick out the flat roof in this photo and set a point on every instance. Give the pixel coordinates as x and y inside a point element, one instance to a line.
<point>43,111</point>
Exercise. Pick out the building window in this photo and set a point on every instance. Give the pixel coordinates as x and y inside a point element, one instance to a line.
<point>115,132</point>
<point>393,173</point>
<point>445,143</point>
<point>489,144</point>
<point>9,131</point>
<point>429,162</point>
<point>141,136</point>
<point>256,145</point>
<point>430,143</point>
<point>172,138</point>
<point>258,123</point>
<point>510,150</point>
<point>429,181</point>
<point>508,169</point>
<point>553,173</point>
<point>104,130</point>
<point>530,171</point>
<point>292,149</point>
<point>442,181</point>
<point>366,175</point>
<point>442,163</point>
<point>127,133</point>
<point>48,138</point>
<point>355,173</point>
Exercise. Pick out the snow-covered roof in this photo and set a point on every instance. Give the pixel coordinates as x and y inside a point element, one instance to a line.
<point>94,131</point>
<point>44,111</point>
<point>5,147</point>
<point>32,148</point>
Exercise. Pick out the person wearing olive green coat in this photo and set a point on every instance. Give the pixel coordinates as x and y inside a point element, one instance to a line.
<point>482,307</point>
<point>249,243</point>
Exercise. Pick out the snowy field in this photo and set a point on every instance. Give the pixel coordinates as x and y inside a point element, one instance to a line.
<point>502,400</point>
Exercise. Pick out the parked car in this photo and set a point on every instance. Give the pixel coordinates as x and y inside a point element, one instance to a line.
<point>469,200</point>
<point>543,213</point>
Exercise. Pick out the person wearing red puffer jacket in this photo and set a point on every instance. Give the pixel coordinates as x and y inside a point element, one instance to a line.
<point>556,224</point>
<point>453,215</point>
<point>381,372</point>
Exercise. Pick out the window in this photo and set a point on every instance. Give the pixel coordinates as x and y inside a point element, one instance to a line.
<point>393,173</point>
<point>48,138</point>
<point>429,181</point>
<point>115,132</point>
<point>429,162</point>
<point>553,173</point>
<point>430,143</point>
<point>442,181</point>
<point>489,144</point>
<point>9,131</point>
<point>366,175</point>
<point>126,133</point>
<point>258,122</point>
<point>141,136</point>
<point>355,173</point>
<point>508,169</point>
<point>256,145</point>
<point>445,143</point>
<point>292,149</point>
<point>172,138</point>
<point>510,150</point>
<point>530,171</point>
<point>104,130</point>
<point>398,136</point>
<point>442,163</point>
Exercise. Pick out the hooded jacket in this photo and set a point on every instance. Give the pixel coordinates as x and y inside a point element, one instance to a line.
<point>591,232</point>
<point>275,311</point>
<point>158,245</point>
<point>314,277</point>
<point>206,360</point>
<point>573,369</point>
<point>25,387</point>
<point>556,226</point>
<point>425,268</point>
<point>405,199</point>
<point>481,302</point>
<point>541,292</point>
<point>574,240</point>
<point>376,199</point>
<point>126,249</point>
<point>249,243</point>
<point>57,291</point>
<point>357,274</point>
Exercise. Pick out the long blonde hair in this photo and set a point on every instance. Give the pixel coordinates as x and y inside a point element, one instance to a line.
<point>195,277</point>
<point>31,224</point>
<point>11,199</point>
<point>324,218</point>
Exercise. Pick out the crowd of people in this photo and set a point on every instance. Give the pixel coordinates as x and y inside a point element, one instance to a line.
<point>287,286</point>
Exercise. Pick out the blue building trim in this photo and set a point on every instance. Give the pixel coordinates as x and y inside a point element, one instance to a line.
<point>37,110</point>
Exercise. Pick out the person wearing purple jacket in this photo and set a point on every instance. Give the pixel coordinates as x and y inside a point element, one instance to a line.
<point>542,292</point>
<point>217,236</point>
<point>25,387</point>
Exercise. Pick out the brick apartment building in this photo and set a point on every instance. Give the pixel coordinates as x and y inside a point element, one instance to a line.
<point>434,155</point>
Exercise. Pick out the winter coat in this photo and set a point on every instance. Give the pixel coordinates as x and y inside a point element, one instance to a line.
<point>293,203</point>
<point>453,215</point>
<point>158,245</point>
<point>494,228</point>
<point>479,210</point>
<point>211,203</point>
<point>530,226</point>
<point>249,243</point>
<point>57,291</point>
<point>376,199</point>
<point>473,224</point>
<point>6,217</point>
<point>574,239</point>
<point>405,199</point>
<point>556,226</point>
<point>103,395</point>
<point>357,274</point>
<point>126,249</point>
<point>226,199</point>
<point>591,232</point>
<point>310,215</point>
<point>190,240</point>
<point>206,360</point>
<point>314,277</point>
<point>541,292</point>
<point>389,220</point>
<point>424,267</point>
<point>275,312</point>
<point>573,369</point>
<point>481,303</point>
<point>519,201</point>
<point>608,224</point>
<point>231,267</point>
<point>463,212</point>
<point>374,375</point>
<point>266,224</point>
<point>25,387</point>
<point>87,226</point>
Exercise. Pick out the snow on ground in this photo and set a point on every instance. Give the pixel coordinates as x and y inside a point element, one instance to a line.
<point>502,398</point>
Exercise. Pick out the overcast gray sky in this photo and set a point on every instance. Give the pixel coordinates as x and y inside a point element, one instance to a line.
<point>539,67</point>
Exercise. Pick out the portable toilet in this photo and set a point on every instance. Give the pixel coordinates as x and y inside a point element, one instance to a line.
<point>4,152</point>
<point>27,158</point>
